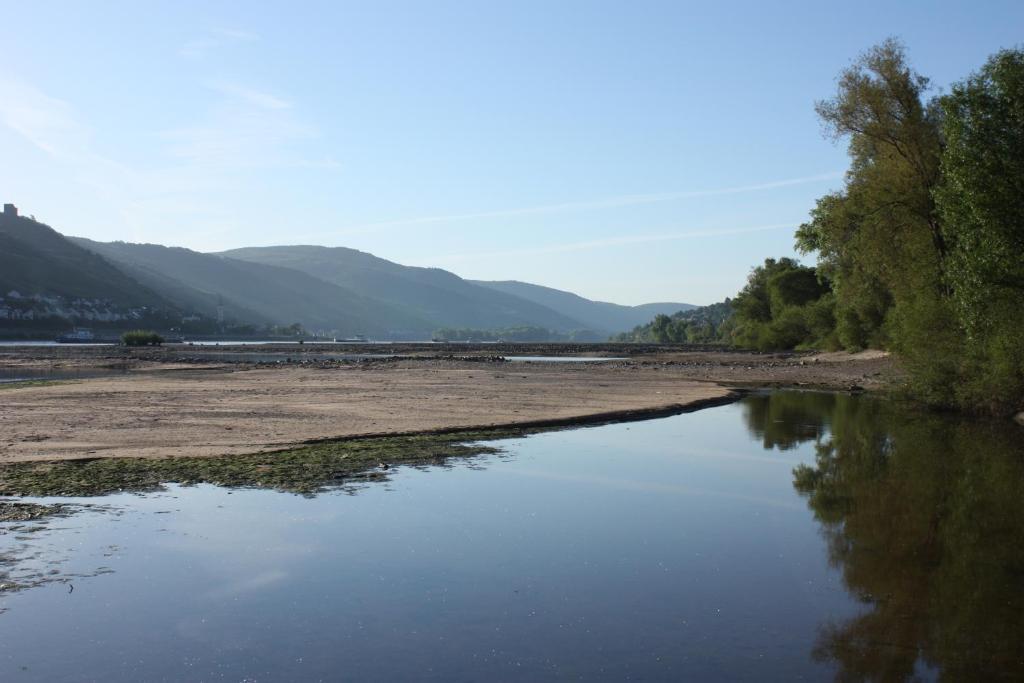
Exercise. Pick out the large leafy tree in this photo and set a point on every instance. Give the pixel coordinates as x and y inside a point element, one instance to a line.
<point>981,203</point>
<point>880,238</point>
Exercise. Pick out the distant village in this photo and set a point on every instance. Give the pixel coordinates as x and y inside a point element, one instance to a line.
<point>19,306</point>
<point>16,306</point>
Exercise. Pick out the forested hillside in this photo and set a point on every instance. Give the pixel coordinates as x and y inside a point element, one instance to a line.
<point>37,260</point>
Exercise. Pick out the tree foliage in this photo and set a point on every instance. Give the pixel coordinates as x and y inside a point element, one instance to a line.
<point>141,338</point>
<point>923,245</point>
<point>783,305</point>
<point>703,325</point>
<point>922,250</point>
<point>981,204</point>
<point>879,239</point>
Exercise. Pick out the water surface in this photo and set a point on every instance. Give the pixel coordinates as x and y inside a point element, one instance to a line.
<point>789,536</point>
<point>53,343</point>
<point>561,359</point>
<point>17,374</point>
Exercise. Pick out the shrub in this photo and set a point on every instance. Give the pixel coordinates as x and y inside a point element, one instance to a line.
<point>141,338</point>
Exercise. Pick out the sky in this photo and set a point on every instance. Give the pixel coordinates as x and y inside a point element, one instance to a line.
<point>629,151</point>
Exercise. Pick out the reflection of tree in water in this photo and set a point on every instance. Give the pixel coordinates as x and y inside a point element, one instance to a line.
<point>785,419</point>
<point>924,516</point>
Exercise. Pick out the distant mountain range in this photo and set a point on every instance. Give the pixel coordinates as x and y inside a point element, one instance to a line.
<point>337,290</point>
<point>442,298</point>
<point>594,315</point>
<point>253,292</point>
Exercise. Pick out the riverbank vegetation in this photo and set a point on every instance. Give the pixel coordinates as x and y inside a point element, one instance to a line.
<point>702,325</point>
<point>922,250</point>
<point>141,338</point>
<point>922,247</point>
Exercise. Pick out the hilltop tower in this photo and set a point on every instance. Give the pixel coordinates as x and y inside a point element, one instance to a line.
<point>10,210</point>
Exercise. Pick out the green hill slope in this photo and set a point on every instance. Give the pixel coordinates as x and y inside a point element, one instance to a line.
<point>37,260</point>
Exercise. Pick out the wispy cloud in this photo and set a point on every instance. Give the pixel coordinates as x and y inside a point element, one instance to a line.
<point>251,584</point>
<point>239,138</point>
<point>51,125</point>
<point>213,39</point>
<point>198,170</point>
<point>607,242</point>
<point>606,203</point>
<point>258,98</point>
<point>46,122</point>
<point>245,127</point>
<point>655,487</point>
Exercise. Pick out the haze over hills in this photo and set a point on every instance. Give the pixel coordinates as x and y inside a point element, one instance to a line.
<point>596,315</point>
<point>334,290</point>
<point>438,295</point>
<point>253,292</point>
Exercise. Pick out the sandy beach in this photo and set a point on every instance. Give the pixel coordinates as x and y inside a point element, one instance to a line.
<point>167,404</point>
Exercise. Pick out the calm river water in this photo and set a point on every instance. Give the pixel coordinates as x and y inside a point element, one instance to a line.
<point>791,536</point>
<point>17,374</point>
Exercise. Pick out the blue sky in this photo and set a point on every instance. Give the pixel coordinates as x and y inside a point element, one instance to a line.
<point>630,152</point>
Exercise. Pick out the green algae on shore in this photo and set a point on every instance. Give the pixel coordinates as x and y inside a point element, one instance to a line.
<point>306,470</point>
<point>26,383</point>
<point>16,511</point>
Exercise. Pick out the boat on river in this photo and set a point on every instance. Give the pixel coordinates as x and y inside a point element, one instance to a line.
<point>82,335</point>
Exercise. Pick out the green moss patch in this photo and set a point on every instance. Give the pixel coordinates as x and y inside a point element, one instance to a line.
<point>306,470</point>
<point>31,383</point>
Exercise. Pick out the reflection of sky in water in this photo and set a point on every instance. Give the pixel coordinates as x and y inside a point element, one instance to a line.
<point>672,548</point>
<point>16,374</point>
